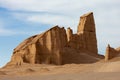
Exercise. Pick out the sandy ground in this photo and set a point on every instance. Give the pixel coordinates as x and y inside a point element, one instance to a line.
<point>75,76</point>
<point>96,71</point>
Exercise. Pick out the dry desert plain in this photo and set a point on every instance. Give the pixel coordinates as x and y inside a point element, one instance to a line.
<point>96,71</point>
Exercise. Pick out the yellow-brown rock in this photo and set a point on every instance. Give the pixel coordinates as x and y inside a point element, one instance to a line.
<point>118,49</point>
<point>86,23</point>
<point>86,35</point>
<point>110,53</point>
<point>60,46</point>
<point>42,49</point>
<point>69,34</point>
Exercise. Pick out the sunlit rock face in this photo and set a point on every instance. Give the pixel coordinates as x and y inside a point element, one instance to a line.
<point>44,48</point>
<point>111,53</point>
<point>86,34</point>
<point>60,46</point>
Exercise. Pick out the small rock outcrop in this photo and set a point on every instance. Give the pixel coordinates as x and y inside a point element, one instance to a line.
<point>118,49</point>
<point>60,46</point>
<point>110,53</point>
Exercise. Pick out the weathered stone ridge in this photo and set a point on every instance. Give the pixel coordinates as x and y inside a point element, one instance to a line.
<point>110,53</point>
<point>86,34</point>
<point>60,46</point>
<point>44,48</point>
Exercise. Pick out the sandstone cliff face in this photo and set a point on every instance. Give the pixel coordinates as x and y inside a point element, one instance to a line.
<point>58,46</point>
<point>69,34</point>
<point>86,34</point>
<point>118,49</point>
<point>110,53</point>
<point>43,48</point>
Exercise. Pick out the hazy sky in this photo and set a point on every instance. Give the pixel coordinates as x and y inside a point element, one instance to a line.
<point>19,19</point>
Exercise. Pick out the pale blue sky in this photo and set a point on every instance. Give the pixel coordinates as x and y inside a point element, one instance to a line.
<point>20,19</point>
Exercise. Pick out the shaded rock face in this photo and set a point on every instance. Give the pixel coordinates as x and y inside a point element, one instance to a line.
<point>43,48</point>
<point>110,53</point>
<point>86,34</point>
<point>58,46</point>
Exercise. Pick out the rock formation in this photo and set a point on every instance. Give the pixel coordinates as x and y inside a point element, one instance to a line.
<point>118,49</point>
<point>58,46</point>
<point>69,34</point>
<point>86,34</point>
<point>110,53</point>
<point>43,48</point>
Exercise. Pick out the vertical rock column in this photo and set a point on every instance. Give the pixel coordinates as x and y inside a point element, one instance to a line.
<point>86,28</point>
<point>69,34</point>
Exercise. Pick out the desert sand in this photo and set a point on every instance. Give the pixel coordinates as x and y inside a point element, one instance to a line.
<point>96,71</point>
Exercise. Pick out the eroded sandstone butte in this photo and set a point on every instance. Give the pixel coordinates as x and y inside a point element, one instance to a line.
<point>112,53</point>
<point>60,46</point>
<point>86,34</point>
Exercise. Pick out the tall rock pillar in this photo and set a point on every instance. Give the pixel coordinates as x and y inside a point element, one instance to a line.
<point>69,34</point>
<point>86,28</point>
